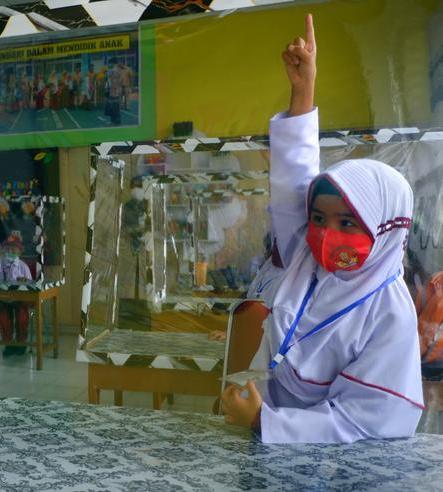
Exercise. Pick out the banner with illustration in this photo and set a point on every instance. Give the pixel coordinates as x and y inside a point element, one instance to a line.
<point>76,84</point>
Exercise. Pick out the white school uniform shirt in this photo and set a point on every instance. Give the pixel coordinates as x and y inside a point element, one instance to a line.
<point>10,271</point>
<point>265,282</point>
<point>359,377</point>
<point>263,287</point>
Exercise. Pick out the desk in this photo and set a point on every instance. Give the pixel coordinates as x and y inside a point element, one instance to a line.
<point>37,297</point>
<point>157,362</point>
<point>66,446</point>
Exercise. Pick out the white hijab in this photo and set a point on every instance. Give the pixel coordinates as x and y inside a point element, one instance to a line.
<point>383,200</point>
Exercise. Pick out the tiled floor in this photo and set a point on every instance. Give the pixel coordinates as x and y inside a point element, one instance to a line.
<point>67,380</point>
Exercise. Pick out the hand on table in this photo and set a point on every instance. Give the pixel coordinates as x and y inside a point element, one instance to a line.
<point>238,410</point>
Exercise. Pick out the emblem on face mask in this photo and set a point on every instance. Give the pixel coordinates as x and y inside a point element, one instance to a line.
<point>344,257</point>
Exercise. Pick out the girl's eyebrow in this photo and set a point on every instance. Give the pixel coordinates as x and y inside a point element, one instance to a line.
<point>340,214</point>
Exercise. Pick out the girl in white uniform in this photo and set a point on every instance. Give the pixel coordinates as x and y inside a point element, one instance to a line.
<point>342,334</point>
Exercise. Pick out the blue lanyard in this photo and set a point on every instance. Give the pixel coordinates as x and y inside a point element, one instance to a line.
<point>285,347</point>
<point>261,285</point>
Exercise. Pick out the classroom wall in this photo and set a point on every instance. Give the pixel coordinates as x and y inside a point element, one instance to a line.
<point>225,73</point>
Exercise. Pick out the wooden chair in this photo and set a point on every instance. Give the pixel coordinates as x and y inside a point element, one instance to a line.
<point>429,305</point>
<point>243,337</point>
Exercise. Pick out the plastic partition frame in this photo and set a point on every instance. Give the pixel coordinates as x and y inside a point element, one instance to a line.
<point>40,283</point>
<point>336,138</point>
<point>87,274</point>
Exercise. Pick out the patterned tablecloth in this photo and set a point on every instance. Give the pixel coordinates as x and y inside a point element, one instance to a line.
<point>51,446</point>
<point>159,349</point>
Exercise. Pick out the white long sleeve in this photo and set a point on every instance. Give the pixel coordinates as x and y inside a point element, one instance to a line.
<point>295,158</point>
<point>371,415</point>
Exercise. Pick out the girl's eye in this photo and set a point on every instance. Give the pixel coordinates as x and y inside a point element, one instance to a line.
<point>347,223</point>
<point>317,218</point>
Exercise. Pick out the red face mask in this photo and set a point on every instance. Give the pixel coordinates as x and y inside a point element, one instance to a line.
<point>336,250</point>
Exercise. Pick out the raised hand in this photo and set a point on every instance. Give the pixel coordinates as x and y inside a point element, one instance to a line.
<point>300,63</point>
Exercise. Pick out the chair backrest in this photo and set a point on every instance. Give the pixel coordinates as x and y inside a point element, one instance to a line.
<point>429,304</point>
<point>244,335</point>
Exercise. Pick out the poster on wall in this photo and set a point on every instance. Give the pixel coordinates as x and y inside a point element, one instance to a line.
<point>76,84</point>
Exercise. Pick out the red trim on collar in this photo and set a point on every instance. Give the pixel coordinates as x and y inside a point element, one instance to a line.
<point>381,388</point>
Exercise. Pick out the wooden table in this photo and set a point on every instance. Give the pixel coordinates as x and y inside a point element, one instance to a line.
<point>37,298</point>
<point>192,351</point>
<point>161,382</point>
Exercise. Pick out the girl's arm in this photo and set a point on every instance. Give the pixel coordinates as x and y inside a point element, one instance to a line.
<point>294,145</point>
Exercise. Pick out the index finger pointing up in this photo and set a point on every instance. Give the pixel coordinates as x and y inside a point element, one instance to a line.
<point>310,34</point>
